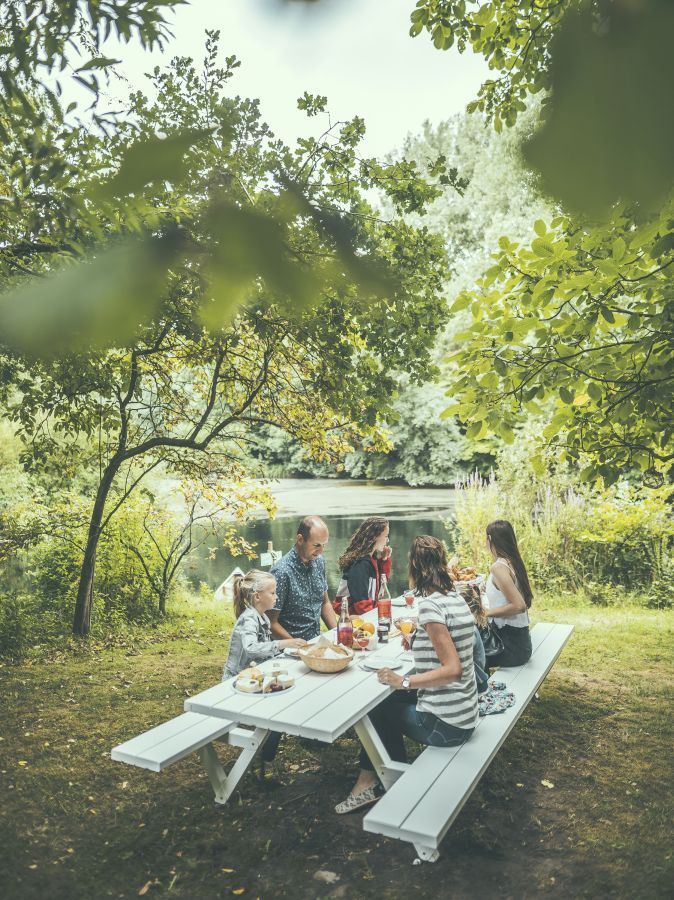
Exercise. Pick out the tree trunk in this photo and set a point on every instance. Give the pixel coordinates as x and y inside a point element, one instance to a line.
<point>85,588</point>
<point>162,600</point>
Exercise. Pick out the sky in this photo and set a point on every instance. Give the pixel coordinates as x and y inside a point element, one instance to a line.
<point>356,52</point>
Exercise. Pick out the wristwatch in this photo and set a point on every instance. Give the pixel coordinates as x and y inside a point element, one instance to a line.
<point>406,683</point>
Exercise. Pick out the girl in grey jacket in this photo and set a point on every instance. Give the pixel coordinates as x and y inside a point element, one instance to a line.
<point>251,641</point>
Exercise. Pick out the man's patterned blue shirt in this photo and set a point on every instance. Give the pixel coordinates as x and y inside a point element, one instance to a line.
<point>300,589</point>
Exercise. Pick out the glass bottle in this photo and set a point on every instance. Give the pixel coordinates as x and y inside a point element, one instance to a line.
<point>384,602</point>
<point>345,626</point>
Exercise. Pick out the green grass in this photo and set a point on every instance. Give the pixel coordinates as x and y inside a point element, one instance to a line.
<point>73,824</point>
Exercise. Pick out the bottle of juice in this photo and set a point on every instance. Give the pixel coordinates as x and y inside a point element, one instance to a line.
<point>345,626</point>
<point>384,602</point>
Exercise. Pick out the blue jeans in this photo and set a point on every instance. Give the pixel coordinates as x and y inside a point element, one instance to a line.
<point>398,715</point>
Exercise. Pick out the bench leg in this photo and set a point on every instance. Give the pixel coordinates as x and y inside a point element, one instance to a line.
<point>223,784</point>
<point>429,854</point>
<point>388,770</point>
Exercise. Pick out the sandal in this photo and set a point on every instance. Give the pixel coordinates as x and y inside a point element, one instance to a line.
<point>356,801</point>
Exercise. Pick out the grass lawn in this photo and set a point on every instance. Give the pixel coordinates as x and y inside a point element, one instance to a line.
<point>577,803</point>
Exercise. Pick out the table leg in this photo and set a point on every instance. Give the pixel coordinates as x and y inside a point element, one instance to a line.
<point>223,784</point>
<point>388,770</point>
<point>429,854</point>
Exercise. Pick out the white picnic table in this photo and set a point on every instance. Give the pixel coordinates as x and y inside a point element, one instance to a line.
<point>422,799</point>
<point>318,706</point>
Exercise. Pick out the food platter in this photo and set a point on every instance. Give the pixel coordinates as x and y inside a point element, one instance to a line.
<point>261,693</point>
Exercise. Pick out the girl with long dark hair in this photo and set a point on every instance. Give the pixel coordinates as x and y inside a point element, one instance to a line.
<point>363,563</point>
<point>437,704</point>
<point>508,595</point>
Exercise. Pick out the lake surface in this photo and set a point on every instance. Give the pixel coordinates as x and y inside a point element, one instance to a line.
<point>344,505</point>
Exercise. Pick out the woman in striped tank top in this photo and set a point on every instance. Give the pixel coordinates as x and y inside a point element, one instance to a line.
<point>437,704</point>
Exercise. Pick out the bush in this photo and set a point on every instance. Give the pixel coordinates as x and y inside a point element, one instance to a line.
<point>16,624</point>
<point>122,593</point>
<point>571,537</point>
<point>661,593</point>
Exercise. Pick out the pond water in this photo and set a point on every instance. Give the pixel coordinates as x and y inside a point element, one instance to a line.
<point>344,505</point>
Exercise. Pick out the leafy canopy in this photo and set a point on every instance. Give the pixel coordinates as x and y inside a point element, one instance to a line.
<point>577,322</point>
<point>607,71</point>
<point>580,318</point>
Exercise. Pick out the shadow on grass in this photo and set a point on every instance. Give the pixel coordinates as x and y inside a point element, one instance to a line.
<point>575,804</point>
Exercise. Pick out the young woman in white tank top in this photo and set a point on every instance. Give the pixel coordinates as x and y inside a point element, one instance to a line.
<point>508,595</point>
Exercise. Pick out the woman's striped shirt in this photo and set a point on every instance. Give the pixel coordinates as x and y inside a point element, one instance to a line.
<point>456,702</point>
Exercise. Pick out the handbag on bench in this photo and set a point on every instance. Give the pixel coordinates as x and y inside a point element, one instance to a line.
<point>491,639</point>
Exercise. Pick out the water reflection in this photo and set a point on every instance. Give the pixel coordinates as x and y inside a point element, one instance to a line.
<point>282,533</point>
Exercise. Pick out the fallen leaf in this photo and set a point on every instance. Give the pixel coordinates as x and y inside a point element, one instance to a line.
<point>327,877</point>
<point>229,871</point>
<point>547,784</point>
<point>238,890</point>
<point>23,762</point>
<point>146,887</point>
<point>519,785</point>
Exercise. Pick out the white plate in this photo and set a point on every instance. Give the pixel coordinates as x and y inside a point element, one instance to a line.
<point>383,662</point>
<point>260,694</point>
<point>400,601</point>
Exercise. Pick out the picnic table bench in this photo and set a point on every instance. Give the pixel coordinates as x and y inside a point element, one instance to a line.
<point>422,799</point>
<point>422,804</point>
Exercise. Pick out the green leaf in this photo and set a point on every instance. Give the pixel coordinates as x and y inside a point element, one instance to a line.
<point>462,302</point>
<point>618,249</point>
<point>506,433</point>
<point>244,245</point>
<point>542,247</point>
<point>589,473</point>
<point>595,391</point>
<point>539,227</point>
<point>500,365</point>
<point>475,431</point>
<point>609,475</point>
<point>91,303</point>
<point>450,411</point>
<point>99,62</point>
<point>608,267</point>
<point>151,160</point>
<point>566,395</point>
<point>587,156</point>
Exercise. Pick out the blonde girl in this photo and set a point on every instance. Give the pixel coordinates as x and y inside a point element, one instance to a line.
<point>251,641</point>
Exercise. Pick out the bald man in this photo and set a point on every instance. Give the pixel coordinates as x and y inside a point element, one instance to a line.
<point>301,586</point>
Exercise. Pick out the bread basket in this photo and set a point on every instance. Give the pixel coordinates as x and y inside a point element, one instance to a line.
<point>326,666</point>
